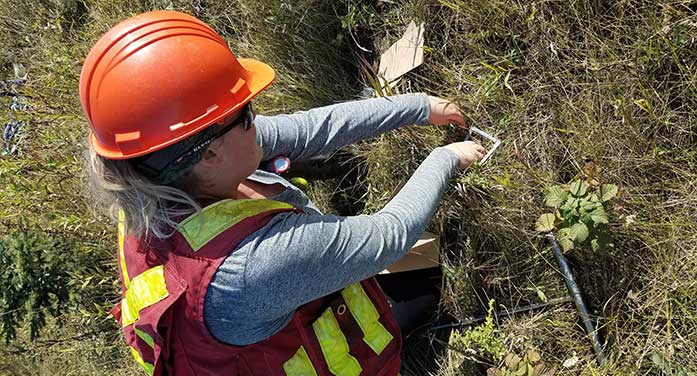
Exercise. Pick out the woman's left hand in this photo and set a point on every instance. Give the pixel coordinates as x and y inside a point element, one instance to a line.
<point>444,112</point>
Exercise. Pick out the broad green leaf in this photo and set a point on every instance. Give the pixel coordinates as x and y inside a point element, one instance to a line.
<point>555,196</point>
<point>566,244</point>
<point>545,223</point>
<point>579,188</point>
<point>571,202</point>
<point>594,198</point>
<point>599,216</point>
<point>578,232</point>
<point>608,191</point>
<point>589,205</point>
<point>587,219</point>
<point>569,214</point>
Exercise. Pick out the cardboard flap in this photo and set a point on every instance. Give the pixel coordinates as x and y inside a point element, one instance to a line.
<point>423,255</point>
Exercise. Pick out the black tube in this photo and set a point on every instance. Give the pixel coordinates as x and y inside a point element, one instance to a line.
<point>575,293</point>
<point>531,307</point>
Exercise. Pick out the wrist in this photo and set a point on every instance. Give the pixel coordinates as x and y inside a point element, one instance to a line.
<point>450,155</point>
<point>424,104</point>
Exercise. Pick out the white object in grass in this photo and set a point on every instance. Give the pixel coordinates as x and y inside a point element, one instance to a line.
<point>489,137</point>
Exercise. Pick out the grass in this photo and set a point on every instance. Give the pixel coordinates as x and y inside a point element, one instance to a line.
<point>562,83</point>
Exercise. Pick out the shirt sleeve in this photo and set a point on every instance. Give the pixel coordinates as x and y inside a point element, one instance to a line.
<point>322,130</point>
<point>297,258</point>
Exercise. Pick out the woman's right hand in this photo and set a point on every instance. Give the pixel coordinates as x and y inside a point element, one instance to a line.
<point>467,151</point>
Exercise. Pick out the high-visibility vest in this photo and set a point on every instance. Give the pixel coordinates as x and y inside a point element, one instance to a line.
<point>349,333</point>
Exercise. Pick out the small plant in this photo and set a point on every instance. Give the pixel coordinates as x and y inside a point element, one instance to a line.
<point>34,281</point>
<point>530,365</point>
<point>581,215</point>
<point>483,340</point>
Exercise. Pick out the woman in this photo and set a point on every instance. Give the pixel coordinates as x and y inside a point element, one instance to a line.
<point>227,269</point>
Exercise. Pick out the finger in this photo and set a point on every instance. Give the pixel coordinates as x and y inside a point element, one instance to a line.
<point>459,121</point>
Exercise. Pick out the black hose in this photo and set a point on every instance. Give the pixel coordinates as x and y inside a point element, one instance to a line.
<point>575,293</point>
<point>475,320</point>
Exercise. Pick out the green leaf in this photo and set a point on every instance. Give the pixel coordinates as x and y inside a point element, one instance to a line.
<point>579,188</point>
<point>569,214</point>
<point>599,216</point>
<point>541,294</point>
<point>587,219</point>
<point>589,205</point>
<point>569,209</point>
<point>608,191</point>
<point>566,244</point>
<point>578,232</point>
<point>555,196</point>
<point>595,245</point>
<point>545,223</point>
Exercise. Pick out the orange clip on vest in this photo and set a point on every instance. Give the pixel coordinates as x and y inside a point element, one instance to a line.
<point>160,77</point>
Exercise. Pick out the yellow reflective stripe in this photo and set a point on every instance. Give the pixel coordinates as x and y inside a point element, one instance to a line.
<point>146,289</point>
<point>367,317</point>
<point>122,257</point>
<point>145,337</point>
<point>149,368</point>
<point>334,346</point>
<point>222,215</point>
<point>299,364</point>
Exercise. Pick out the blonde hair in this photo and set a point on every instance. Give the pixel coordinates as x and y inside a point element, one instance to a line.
<point>150,209</point>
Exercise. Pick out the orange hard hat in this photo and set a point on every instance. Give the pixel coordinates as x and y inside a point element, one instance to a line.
<point>160,77</point>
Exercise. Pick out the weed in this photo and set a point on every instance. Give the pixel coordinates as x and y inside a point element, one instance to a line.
<point>580,215</point>
<point>483,341</point>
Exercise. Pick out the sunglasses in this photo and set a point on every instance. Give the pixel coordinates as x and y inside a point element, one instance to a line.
<point>172,157</point>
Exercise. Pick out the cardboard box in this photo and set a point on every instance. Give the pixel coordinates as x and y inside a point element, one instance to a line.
<point>424,254</point>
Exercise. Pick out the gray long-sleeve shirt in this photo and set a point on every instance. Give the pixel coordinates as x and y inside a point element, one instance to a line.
<point>296,258</point>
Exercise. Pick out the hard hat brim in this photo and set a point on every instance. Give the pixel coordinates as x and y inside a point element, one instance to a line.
<point>259,76</point>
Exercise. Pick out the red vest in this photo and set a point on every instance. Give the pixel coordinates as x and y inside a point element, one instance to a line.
<point>350,332</point>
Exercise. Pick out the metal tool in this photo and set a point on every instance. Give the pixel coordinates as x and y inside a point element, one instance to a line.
<point>489,137</point>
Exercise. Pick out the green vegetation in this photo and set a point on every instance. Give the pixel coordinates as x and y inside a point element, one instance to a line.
<point>581,214</point>
<point>484,339</point>
<point>564,84</point>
